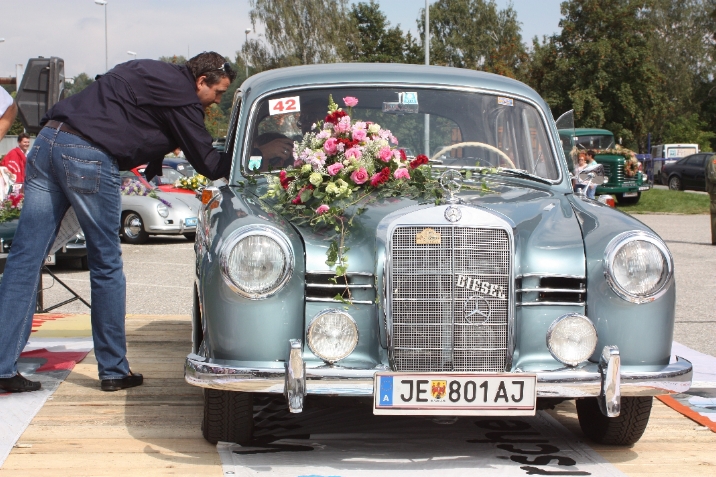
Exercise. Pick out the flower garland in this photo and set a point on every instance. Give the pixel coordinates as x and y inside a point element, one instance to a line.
<point>631,163</point>
<point>343,164</point>
<point>196,182</point>
<point>138,189</point>
<point>10,207</point>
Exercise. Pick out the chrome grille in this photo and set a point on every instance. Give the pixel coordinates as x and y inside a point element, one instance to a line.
<point>430,331</point>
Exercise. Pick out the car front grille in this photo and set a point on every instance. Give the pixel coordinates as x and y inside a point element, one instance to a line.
<point>449,302</point>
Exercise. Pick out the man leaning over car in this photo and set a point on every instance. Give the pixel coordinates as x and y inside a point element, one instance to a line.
<point>137,112</point>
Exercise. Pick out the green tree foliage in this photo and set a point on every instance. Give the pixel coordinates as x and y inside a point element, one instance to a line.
<point>688,128</point>
<point>298,32</point>
<point>602,65</point>
<point>175,59</point>
<point>79,82</point>
<point>474,34</point>
<point>376,42</point>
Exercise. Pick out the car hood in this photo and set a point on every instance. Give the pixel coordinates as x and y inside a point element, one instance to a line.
<point>547,234</point>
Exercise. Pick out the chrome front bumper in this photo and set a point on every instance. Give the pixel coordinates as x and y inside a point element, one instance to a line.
<point>588,381</point>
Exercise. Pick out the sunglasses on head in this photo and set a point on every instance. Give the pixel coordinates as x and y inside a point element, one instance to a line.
<point>226,68</point>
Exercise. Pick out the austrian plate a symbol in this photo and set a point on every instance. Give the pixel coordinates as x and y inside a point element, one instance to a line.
<point>453,214</point>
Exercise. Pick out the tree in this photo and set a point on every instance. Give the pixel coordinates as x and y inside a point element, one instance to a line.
<point>174,59</point>
<point>78,83</point>
<point>298,32</point>
<point>602,65</point>
<point>474,34</point>
<point>376,42</point>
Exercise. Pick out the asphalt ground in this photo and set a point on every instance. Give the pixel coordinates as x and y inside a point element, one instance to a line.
<point>160,275</point>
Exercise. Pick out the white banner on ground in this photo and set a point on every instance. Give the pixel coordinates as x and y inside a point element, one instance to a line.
<point>69,227</point>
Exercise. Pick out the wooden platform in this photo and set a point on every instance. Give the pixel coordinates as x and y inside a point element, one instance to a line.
<point>155,429</point>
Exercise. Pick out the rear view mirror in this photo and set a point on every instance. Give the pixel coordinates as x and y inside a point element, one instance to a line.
<point>594,174</point>
<point>43,85</point>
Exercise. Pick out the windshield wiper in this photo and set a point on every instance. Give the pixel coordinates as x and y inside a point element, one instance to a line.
<point>523,175</point>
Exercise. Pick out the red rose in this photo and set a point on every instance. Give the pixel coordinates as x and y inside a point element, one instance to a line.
<point>403,157</point>
<point>285,181</point>
<point>15,199</point>
<point>380,177</point>
<point>422,159</point>
<point>347,143</point>
<point>335,116</point>
<point>297,200</point>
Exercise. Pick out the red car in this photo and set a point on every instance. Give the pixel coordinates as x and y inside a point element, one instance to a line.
<point>165,182</point>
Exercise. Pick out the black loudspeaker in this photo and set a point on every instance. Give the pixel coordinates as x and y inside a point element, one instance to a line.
<point>42,86</point>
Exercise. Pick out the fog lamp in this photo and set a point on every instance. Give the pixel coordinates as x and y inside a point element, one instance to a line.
<point>571,339</point>
<point>332,335</point>
<point>162,210</point>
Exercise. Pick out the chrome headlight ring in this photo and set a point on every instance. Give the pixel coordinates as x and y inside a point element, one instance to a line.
<point>247,232</point>
<point>616,245</point>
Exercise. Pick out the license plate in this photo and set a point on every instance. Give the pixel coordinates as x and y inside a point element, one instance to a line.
<point>630,194</point>
<point>50,260</point>
<point>455,394</point>
<point>629,184</point>
<point>190,222</point>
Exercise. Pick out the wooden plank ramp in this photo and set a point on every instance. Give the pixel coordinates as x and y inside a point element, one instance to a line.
<point>155,429</point>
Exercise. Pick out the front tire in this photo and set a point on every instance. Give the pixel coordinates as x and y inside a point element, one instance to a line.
<point>623,430</point>
<point>675,183</point>
<point>228,416</point>
<point>133,228</point>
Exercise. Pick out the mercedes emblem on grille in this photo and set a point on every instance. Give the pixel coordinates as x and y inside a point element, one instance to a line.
<point>476,310</point>
<point>453,214</point>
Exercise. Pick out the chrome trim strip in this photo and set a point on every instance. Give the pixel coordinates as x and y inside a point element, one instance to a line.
<point>550,127</point>
<point>336,380</point>
<point>554,290</point>
<point>551,275</point>
<point>616,244</point>
<point>552,303</point>
<point>331,272</point>
<point>331,300</point>
<point>319,285</point>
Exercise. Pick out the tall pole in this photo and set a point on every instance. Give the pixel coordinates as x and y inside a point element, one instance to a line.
<point>247,31</point>
<point>106,49</point>
<point>427,62</point>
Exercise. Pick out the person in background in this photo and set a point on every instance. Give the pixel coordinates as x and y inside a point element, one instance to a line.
<point>711,189</point>
<point>136,112</point>
<point>579,184</point>
<point>592,187</point>
<point>15,159</point>
<point>8,111</point>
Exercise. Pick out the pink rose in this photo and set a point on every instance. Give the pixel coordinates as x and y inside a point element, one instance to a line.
<point>359,134</point>
<point>350,101</point>
<point>401,173</point>
<point>343,125</point>
<point>333,169</point>
<point>394,140</point>
<point>353,152</point>
<point>385,153</point>
<point>359,176</point>
<point>330,146</point>
<point>322,209</point>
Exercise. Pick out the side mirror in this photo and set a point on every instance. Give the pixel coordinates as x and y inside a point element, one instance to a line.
<point>594,174</point>
<point>43,85</point>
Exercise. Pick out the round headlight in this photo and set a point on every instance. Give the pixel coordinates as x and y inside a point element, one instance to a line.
<point>571,339</point>
<point>256,261</point>
<point>332,335</point>
<point>638,266</point>
<point>162,210</point>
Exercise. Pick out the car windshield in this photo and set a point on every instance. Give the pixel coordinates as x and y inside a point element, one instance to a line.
<point>594,142</point>
<point>453,128</point>
<point>169,176</point>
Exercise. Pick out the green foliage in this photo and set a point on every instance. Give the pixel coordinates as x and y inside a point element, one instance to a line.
<point>602,64</point>
<point>174,59</point>
<point>668,202</point>
<point>79,82</point>
<point>376,42</point>
<point>689,128</point>
<point>474,34</point>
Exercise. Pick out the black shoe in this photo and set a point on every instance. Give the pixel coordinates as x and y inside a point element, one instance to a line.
<point>129,381</point>
<point>18,384</point>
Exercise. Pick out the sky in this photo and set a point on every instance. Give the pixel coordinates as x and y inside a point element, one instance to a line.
<point>74,30</point>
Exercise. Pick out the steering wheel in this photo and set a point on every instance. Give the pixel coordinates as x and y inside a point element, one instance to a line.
<point>473,144</point>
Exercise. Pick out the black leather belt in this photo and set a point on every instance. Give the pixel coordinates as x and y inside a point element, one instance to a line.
<point>64,127</point>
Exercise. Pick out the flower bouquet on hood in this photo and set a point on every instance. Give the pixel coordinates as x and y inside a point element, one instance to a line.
<point>11,207</point>
<point>340,165</point>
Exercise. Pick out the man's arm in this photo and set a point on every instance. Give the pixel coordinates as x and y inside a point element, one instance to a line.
<point>7,119</point>
<point>187,126</point>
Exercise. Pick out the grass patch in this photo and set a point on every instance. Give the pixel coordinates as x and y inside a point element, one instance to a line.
<point>663,201</point>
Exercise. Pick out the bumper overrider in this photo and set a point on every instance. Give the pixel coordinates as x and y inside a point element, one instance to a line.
<point>606,380</point>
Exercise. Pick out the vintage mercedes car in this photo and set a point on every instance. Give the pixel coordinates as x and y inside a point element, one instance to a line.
<point>503,294</point>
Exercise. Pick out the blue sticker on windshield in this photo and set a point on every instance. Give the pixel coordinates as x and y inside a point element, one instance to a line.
<point>255,162</point>
<point>505,101</point>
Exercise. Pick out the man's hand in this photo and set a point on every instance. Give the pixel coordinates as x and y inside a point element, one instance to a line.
<point>7,119</point>
<point>281,148</point>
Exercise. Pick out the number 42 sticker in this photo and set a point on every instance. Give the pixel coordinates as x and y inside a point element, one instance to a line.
<point>285,105</point>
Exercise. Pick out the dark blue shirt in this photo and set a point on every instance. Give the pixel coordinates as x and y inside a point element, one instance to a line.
<point>141,110</point>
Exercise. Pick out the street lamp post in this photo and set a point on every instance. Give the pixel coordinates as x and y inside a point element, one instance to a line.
<point>129,52</point>
<point>427,62</point>
<point>247,31</point>
<point>103,3</point>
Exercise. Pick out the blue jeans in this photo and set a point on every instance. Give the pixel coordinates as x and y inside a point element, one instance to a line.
<point>591,191</point>
<point>64,170</point>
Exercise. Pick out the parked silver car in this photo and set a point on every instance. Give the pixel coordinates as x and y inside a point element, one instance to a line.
<point>156,213</point>
<point>495,294</point>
